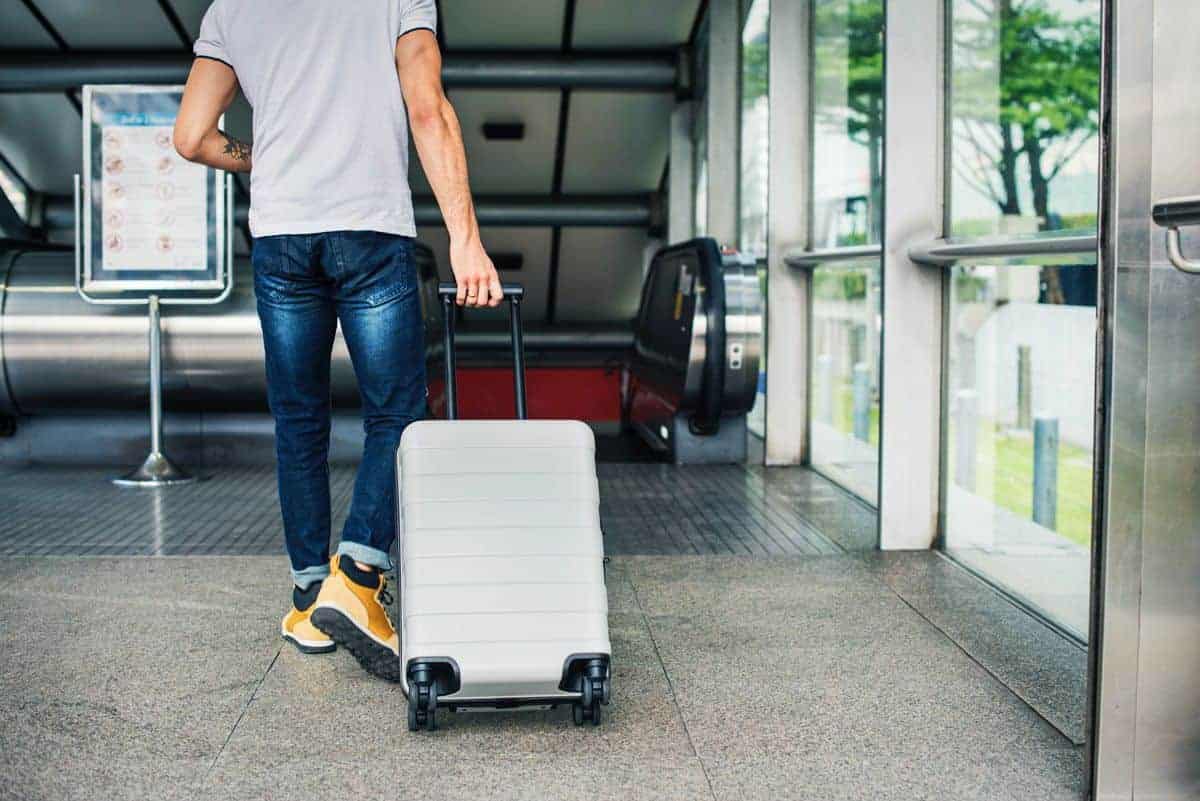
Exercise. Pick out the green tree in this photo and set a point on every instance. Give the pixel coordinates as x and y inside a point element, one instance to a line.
<point>848,81</point>
<point>1026,85</point>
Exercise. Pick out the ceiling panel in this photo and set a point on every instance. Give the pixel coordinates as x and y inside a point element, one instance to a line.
<point>503,167</point>
<point>600,274</point>
<point>510,167</point>
<point>18,28</point>
<point>41,135</point>
<point>110,24</point>
<point>532,243</point>
<point>616,142</point>
<point>630,24</point>
<point>489,25</point>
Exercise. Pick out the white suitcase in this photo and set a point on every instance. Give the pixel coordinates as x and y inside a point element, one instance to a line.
<point>503,602</point>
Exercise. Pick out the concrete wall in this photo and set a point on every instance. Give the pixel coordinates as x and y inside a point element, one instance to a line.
<point>1062,340</point>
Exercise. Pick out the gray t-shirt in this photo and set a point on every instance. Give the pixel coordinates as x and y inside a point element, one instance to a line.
<point>330,130</point>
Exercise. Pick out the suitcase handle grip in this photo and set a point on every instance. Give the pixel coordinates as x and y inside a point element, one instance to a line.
<point>449,288</point>
<point>514,294</point>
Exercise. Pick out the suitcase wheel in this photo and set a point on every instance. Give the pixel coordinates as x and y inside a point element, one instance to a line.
<point>594,692</point>
<point>422,705</point>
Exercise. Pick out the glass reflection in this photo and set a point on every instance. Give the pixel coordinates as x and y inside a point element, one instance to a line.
<point>1024,114</point>
<point>753,196</point>
<point>1019,432</point>
<point>753,173</point>
<point>844,405</point>
<point>847,122</point>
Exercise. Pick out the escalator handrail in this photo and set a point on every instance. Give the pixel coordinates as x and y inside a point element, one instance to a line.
<point>707,419</point>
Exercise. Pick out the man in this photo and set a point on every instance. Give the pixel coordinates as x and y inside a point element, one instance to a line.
<point>332,219</point>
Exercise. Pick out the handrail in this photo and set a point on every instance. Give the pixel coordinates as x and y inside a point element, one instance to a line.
<point>805,259</point>
<point>1172,213</point>
<point>1076,246</point>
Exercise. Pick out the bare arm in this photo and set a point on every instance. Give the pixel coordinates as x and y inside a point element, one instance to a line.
<point>211,87</point>
<point>438,138</point>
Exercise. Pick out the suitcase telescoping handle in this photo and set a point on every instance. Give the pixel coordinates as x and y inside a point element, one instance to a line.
<point>513,293</point>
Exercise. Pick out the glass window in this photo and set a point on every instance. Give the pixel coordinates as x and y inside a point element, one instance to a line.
<point>1024,92</point>
<point>847,193</point>
<point>753,196</point>
<point>1019,431</point>
<point>847,122</point>
<point>1024,112</point>
<point>844,410</point>
<point>753,174</point>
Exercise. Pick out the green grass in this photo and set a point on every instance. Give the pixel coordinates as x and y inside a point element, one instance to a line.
<point>1004,475</point>
<point>1004,468</point>
<point>843,413</point>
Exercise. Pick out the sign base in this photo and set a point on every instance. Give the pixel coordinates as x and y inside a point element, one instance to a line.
<point>156,471</point>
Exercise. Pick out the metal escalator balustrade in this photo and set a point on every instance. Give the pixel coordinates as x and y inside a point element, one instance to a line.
<point>60,354</point>
<point>697,343</point>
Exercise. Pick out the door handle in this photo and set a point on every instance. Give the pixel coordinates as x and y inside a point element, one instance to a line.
<point>1172,214</point>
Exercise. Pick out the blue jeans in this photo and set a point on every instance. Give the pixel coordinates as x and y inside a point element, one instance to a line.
<point>305,285</point>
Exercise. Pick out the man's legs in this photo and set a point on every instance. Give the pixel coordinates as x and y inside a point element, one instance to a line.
<point>380,312</point>
<point>381,322</point>
<point>296,308</point>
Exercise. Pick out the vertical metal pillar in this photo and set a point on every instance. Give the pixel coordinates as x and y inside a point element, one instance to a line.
<point>1045,472</point>
<point>1024,387</point>
<point>681,188</point>
<point>966,436</point>
<point>823,380</point>
<point>157,470</point>
<point>862,401</point>
<point>789,190</point>
<point>1145,632</point>
<point>911,388</point>
<point>723,122</point>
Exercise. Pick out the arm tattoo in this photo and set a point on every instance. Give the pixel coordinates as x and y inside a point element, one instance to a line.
<point>236,148</point>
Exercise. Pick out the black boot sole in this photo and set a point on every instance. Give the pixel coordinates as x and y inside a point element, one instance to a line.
<point>374,658</point>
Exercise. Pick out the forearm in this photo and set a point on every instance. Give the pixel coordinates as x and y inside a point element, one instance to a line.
<point>217,149</point>
<point>439,143</point>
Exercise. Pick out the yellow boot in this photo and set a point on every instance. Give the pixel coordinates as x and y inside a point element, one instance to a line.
<point>350,609</point>
<point>298,629</point>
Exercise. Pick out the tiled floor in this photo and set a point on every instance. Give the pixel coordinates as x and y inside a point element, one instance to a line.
<point>754,658</point>
<point>645,509</point>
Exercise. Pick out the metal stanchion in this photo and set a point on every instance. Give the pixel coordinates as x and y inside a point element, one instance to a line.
<point>157,470</point>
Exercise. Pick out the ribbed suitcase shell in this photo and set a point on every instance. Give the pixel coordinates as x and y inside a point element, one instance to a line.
<point>501,555</point>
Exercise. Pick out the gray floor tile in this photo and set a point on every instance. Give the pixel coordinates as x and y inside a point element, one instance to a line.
<point>865,773</point>
<point>831,673</point>
<point>303,695</point>
<point>123,677</point>
<point>1043,667</point>
<point>527,777</point>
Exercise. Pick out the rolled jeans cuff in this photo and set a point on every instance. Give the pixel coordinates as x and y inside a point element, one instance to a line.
<point>365,554</point>
<point>310,575</point>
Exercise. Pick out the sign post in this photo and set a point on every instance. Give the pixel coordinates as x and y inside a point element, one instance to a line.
<point>151,229</point>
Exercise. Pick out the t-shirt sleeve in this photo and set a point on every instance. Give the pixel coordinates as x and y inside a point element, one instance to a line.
<point>415,15</point>
<point>211,42</point>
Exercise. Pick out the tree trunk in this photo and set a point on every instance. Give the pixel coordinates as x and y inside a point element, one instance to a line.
<point>1011,203</point>
<point>1040,186</point>
<point>875,203</point>
<point>1037,180</point>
